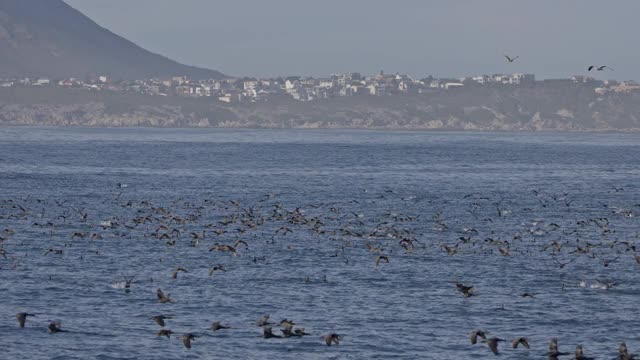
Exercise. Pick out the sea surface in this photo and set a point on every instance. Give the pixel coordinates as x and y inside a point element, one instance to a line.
<point>316,209</point>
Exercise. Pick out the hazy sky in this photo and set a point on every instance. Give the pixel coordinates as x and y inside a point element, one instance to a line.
<point>555,38</point>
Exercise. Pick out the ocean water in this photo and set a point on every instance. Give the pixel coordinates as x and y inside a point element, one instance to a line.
<point>316,208</point>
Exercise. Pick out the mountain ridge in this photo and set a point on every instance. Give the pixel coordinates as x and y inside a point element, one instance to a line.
<point>49,38</point>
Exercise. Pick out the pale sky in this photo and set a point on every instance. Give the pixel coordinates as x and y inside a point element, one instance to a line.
<point>554,38</point>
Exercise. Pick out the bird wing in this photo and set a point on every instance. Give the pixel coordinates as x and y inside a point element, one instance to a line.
<point>493,345</point>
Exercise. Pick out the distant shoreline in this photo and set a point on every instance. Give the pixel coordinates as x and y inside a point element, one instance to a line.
<point>504,109</point>
<point>375,130</point>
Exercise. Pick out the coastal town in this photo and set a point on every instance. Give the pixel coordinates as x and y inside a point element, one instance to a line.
<point>238,90</point>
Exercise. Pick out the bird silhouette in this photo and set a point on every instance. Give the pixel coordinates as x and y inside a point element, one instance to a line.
<point>332,339</point>
<point>159,319</point>
<point>475,334</point>
<point>165,332</point>
<point>492,343</point>
<point>598,68</point>
<point>162,297</point>
<point>511,59</point>
<point>215,326</point>
<point>520,341</point>
<point>22,318</point>
<point>186,340</point>
<point>55,327</point>
<point>264,320</point>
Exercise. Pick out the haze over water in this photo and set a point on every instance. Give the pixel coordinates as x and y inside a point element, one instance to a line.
<point>362,186</point>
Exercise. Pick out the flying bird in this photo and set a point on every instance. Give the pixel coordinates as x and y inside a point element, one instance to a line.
<point>493,344</point>
<point>263,321</point>
<point>332,338</point>
<point>215,326</point>
<point>511,59</point>
<point>186,340</point>
<point>520,341</point>
<point>382,258</point>
<point>165,332</point>
<point>599,68</point>
<point>475,334</point>
<point>159,319</point>
<point>22,318</point>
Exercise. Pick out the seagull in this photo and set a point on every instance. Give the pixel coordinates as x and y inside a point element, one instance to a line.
<point>510,59</point>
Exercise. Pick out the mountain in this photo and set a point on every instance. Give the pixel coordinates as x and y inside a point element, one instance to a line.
<point>48,38</point>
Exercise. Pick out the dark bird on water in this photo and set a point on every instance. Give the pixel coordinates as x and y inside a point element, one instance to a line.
<point>165,332</point>
<point>332,338</point>
<point>267,333</point>
<point>215,326</point>
<point>465,290</point>
<point>623,353</point>
<point>264,320</point>
<point>553,350</point>
<point>580,354</point>
<point>22,318</point>
<point>55,327</point>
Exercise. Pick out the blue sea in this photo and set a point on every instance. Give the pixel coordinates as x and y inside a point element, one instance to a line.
<point>551,215</point>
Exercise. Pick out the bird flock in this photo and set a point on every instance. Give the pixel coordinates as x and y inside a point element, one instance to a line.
<point>238,233</point>
<point>589,68</point>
